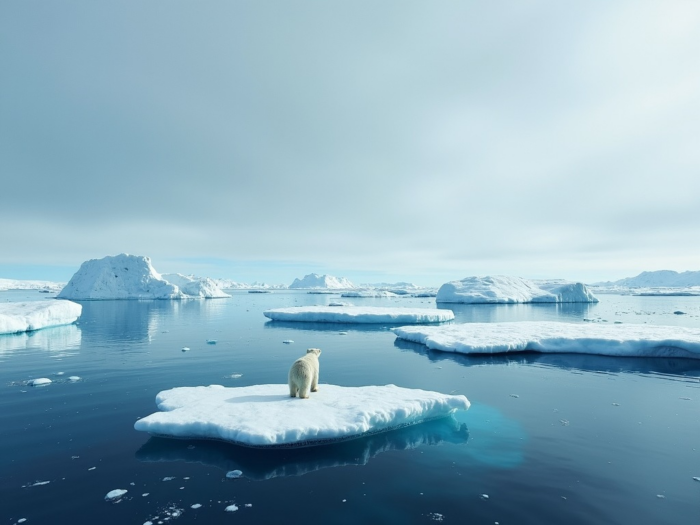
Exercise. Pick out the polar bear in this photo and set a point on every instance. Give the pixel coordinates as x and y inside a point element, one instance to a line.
<point>303,376</point>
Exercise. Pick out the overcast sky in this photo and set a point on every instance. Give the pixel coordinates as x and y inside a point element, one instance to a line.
<point>379,141</point>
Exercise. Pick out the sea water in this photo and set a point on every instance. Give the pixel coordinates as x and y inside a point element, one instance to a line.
<point>549,438</point>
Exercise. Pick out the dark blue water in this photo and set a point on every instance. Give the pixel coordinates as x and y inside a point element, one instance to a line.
<point>549,438</point>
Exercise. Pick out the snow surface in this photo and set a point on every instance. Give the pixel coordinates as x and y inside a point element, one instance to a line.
<point>34,315</point>
<point>313,280</point>
<point>195,286</point>
<point>17,284</point>
<point>554,337</point>
<point>504,289</point>
<point>265,415</point>
<point>127,276</point>
<point>359,314</point>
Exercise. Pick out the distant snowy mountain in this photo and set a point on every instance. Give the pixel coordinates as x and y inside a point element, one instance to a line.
<point>314,280</point>
<point>127,276</point>
<point>228,284</point>
<point>16,284</point>
<point>657,279</point>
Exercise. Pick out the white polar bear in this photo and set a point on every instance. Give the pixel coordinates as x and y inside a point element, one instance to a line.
<point>303,376</point>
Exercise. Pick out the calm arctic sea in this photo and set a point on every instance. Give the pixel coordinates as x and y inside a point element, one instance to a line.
<point>549,438</point>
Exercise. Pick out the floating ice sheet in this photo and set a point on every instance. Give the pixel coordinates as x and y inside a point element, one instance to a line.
<point>553,337</point>
<point>265,415</point>
<point>34,315</point>
<point>359,314</point>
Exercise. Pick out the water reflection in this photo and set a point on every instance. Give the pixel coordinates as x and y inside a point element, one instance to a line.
<point>272,463</point>
<point>55,339</point>
<point>585,362</point>
<point>497,313</point>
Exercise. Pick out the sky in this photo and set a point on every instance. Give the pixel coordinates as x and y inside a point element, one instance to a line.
<point>379,141</point>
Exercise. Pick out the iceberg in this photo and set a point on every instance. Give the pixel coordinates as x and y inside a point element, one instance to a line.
<point>504,289</point>
<point>34,315</point>
<point>359,314</point>
<point>195,286</point>
<point>314,280</point>
<point>264,416</point>
<point>552,337</point>
<point>369,293</point>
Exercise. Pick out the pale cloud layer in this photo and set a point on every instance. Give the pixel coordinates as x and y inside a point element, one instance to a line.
<point>418,140</point>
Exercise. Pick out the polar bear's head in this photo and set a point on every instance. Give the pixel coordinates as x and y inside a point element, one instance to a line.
<point>316,351</point>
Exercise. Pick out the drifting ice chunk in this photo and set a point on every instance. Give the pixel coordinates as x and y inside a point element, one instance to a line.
<point>33,315</point>
<point>359,314</point>
<point>369,294</point>
<point>116,494</point>
<point>503,289</point>
<point>40,381</point>
<point>195,286</point>
<point>265,415</point>
<point>552,337</point>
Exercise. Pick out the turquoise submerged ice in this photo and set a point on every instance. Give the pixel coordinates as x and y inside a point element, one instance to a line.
<point>265,415</point>
<point>554,337</point>
<point>359,314</point>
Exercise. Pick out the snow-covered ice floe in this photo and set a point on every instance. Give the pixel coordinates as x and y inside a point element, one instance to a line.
<point>369,294</point>
<point>265,416</point>
<point>359,314</point>
<point>34,315</point>
<point>553,337</point>
<point>504,289</point>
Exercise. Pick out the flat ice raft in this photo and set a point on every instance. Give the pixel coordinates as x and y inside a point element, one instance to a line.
<point>34,315</point>
<point>553,337</point>
<point>265,416</point>
<point>360,314</point>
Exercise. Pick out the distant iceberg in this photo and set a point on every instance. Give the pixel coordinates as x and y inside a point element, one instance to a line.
<point>265,415</point>
<point>34,315</point>
<point>314,280</point>
<point>132,277</point>
<point>369,293</point>
<point>359,314</point>
<point>42,286</point>
<point>504,289</point>
<point>553,337</point>
<point>195,286</point>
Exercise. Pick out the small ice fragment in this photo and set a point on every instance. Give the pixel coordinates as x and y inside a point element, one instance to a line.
<point>168,478</point>
<point>515,395</point>
<point>92,468</point>
<point>344,500</point>
<point>231,508</point>
<point>145,494</point>
<point>132,484</point>
<point>115,495</point>
<point>249,505</point>
<point>616,404</point>
<point>182,488</point>
<point>75,457</point>
<point>288,341</point>
<point>185,348</point>
<point>342,333</point>
<point>564,422</point>
<point>233,474</point>
<point>211,341</point>
<point>484,496</point>
<point>196,506</point>
<point>661,496</point>
<point>685,398</point>
<point>60,373</point>
<point>21,520</point>
<point>40,381</point>
<point>186,477</point>
<point>74,379</point>
<point>235,376</point>
<point>38,483</point>
<point>436,516</point>
<point>147,523</point>
<point>696,478</point>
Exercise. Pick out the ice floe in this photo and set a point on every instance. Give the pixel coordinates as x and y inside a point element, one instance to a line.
<point>504,289</point>
<point>39,381</point>
<point>369,294</point>
<point>115,495</point>
<point>554,337</point>
<point>34,315</point>
<point>359,314</point>
<point>265,415</point>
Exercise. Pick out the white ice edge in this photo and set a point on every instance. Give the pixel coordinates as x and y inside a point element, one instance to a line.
<point>35,315</point>
<point>555,337</point>
<point>359,314</point>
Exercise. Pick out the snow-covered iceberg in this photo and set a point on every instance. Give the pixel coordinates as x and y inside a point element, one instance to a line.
<point>133,277</point>
<point>359,314</point>
<point>43,286</point>
<point>313,280</point>
<point>504,289</point>
<point>34,315</point>
<point>265,415</point>
<point>553,337</point>
<point>195,286</point>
